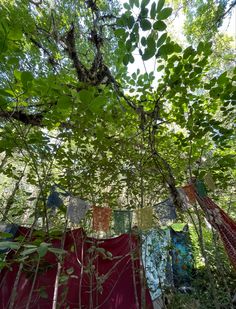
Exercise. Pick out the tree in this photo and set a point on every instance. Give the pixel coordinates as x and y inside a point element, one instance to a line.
<point>73,115</point>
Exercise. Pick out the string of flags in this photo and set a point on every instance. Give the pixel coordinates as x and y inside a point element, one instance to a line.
<point>124,219</point>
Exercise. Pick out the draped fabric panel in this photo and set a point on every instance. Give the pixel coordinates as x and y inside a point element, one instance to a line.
<point>182,258</point>
<point>144,217</point>
<point>222,223</point>
<point>101,218</point>
<point>122,221</point>
<point>156,260</point>
<point>95,274</point>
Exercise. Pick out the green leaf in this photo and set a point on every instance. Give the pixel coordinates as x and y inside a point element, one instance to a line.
<point>160,68</point>
<point>144,3</point>
<point>161,39</point>
<point>86,96</point>
<point>57,251</point>
<point>9,245</point>
<point>150,50</point>
<point>42,249</point>
<point>165,13</point>
<point>143,41</point>
<point>145,24</point>
<point>70,271</point>
<point>97,103</point>
<point>136,3</point>
<point>17,74</point>
<point>26,77</point>
<point>126,59</point>
<point>160,5</point>
<point>166,49</point>
<point>159,25</point>
<point>64,103</point>
<point>29,251</point>
<point>126,6</point>
<point>153,10</point>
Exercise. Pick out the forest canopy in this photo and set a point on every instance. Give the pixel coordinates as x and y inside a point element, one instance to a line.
<point>74,116</point>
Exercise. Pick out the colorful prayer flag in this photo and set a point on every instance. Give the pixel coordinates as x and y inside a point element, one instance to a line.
<point>101,218</point>
<point>209,181</point>
<point>77,209</point>
<point>144,217</point>
<point>200,187</point>
<point>122,221</point>
<point>190,193</point>
<point>165,212</point>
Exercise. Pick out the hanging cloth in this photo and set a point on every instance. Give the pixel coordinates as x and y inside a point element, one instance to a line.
<point>156,260</point>
<point>222,223</point>
<point>54,201</point>
<point>122,221</point>
<point>144,218</point>
<point>189,191</point>
<point>209,181</point>
<point>201,189</point>
<point>77,209</point>
<point>165,212</point>
<point>101,218</point>
<point>182,257</point>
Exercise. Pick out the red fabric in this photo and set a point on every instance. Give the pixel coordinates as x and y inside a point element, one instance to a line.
<point>111,285</point>
<point>222,223</point>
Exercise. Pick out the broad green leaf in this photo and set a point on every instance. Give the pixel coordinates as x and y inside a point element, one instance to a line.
<point>153,10</point>
<point>29,251</point>
<point>160,5</point>
<point>127,6</point>
<point>162,39</point>
<point>97,103</point>
<point>42,249</point>
<point>143,41</point>
<point>144,3</point>
<point>9,245</point>
<point>150,50</point>
<point>145,24</point>
<point>165,13</point>
<point>166,49</point>
<point>17,74</point>
<point>159,25</point>
<point>126,59</point>
<point>64,103</point>
<point>57,250</point>
<point>85,96</point>
<point>26,77</point>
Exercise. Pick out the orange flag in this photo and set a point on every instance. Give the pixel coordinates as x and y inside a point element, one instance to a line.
<point>101,218</point>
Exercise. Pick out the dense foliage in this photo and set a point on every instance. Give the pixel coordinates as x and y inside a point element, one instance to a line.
<point>72,114</point>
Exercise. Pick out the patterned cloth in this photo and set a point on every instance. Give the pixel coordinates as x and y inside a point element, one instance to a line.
<point>101,218</point>
<point>201,189</point>
<point>144,218</point>
<point>155,256</point>
<point>165,212</point>
<point>209,181</point>
<point>184,198</point>
<point>222,223</point>
<point>190,193</point>
<point>182,258</point>
<point>77,209</point>
<point>54,201</point>
<point>122,221</point>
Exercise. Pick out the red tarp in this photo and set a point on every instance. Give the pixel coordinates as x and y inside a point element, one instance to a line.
<point>106,281</point>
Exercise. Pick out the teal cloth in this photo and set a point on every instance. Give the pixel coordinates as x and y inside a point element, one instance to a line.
<point>122,221</point>
<point>201,189</point>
